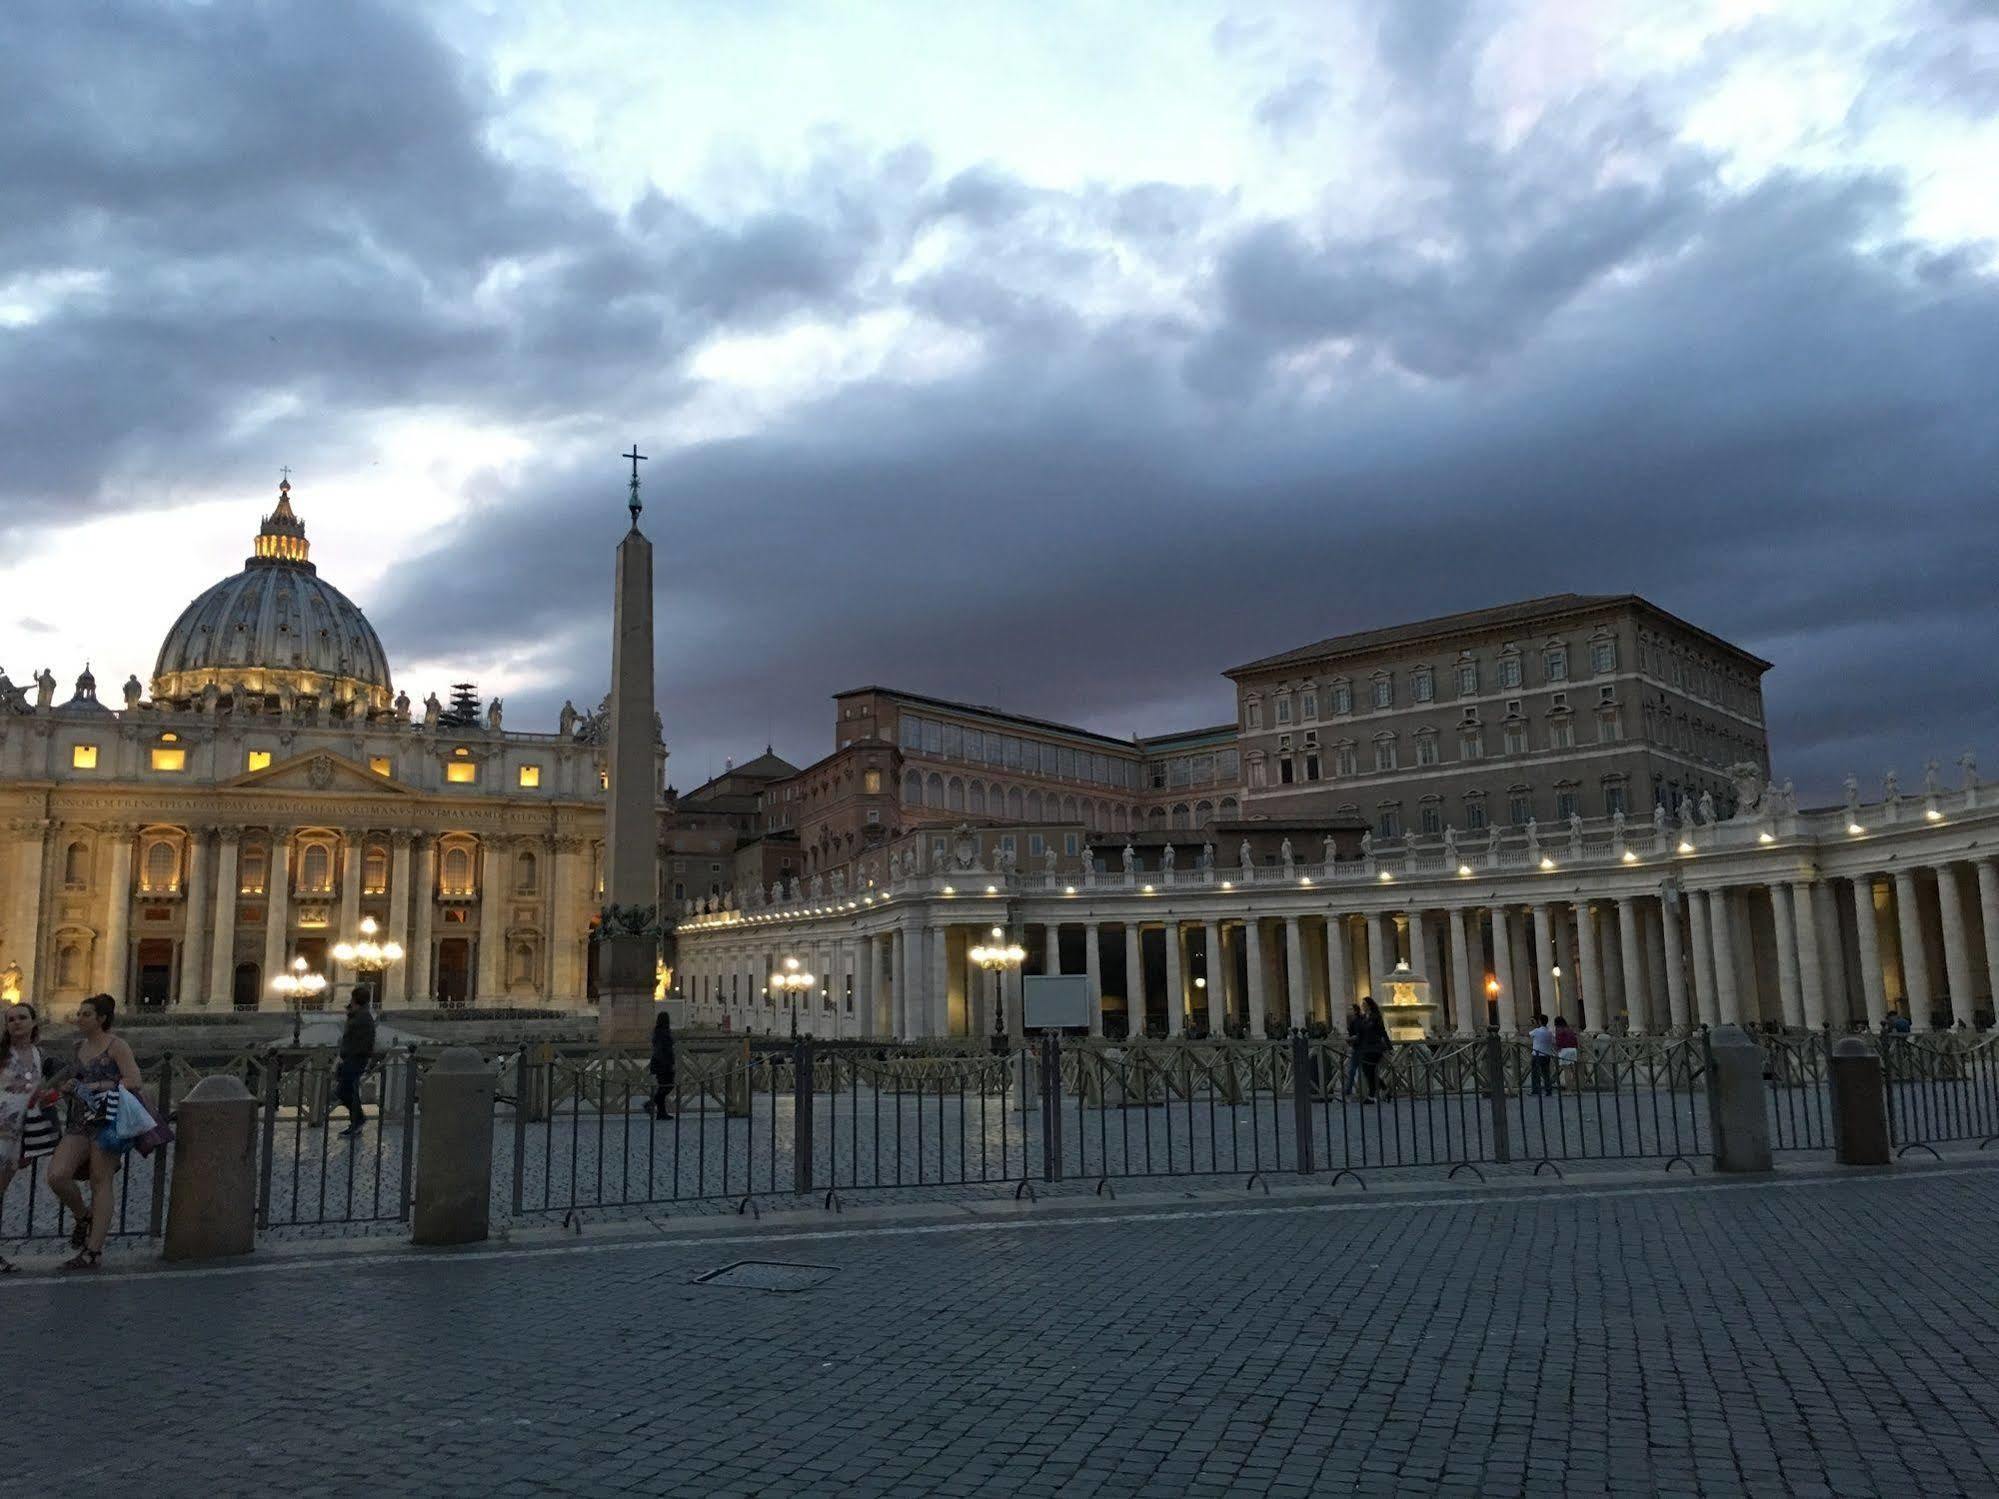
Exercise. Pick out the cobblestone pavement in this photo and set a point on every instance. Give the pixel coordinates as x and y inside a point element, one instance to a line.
<point>1807,1336</point>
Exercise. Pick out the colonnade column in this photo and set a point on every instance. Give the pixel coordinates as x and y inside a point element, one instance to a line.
<point>277,911</point>
<point>423,899</point>
<point>864,987</point>
<point>1630,952</point>
<point>1703,955</point>
<point>1051,957</point>
<point>1380,953</point>
<point>1093,972</point>
<point>1988,910</point>
<point>192,973</point>
<point>1956,954</point>
<point>1294,974</point>
<point>1783,922</point>
<point>1339,971</point>
<point>1868,938</point>
<point>1218,1001</point>
<point>118,915</point>
<point>1134,981</point>
<point>395,988</point>
<point>1915,962</point>
<point>937,1013</point>
<point>1679,1013</point>
<point>1176,980</point>
<point>1502,969</point>
<point>1811,972</point>
<point>1253,1015</point>
<point>1721,932</point>
<point>898,983</point>
<point>1589,975</point>
<point>1832,954</point>
<point>1461,979</point>
<point>1544,958</point>
<point>222,949</point>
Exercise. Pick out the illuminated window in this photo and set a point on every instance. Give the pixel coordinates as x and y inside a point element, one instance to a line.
<point>455,874</point>
<point>380,765</point>
<point>603,780</point>
<point>83,756</point>
<point>250,870</point>
<point>871,782</point>
<point>375,870</point>
<point>530,775</point>
<point>316,870</point>
<point>160,873</point>
<point>170,759</point>
<point>257,760</point>
<point>461,772</point>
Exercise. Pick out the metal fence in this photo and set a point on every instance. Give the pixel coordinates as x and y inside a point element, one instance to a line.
<point>308,1173</point>
<point>1941,1086</point>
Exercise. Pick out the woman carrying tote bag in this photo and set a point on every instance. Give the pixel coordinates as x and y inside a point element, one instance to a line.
<point>28,1128</point>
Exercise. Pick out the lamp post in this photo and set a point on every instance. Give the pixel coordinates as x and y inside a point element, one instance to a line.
<point>295,987</point>
<point>791,980</point>
<point>1491,1000</point>
<point>368,956</point>
<point>996,960</point>
<point>1201,995</point>
<point>1556,970</point>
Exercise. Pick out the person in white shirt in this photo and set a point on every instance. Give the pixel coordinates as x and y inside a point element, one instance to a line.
<point>1541,1067</point>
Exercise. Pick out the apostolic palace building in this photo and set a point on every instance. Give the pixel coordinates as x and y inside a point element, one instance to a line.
<point>1563,803</point>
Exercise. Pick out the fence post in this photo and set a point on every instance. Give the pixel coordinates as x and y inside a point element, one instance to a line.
<point>1301,1099</point>
<point>213,1210</point>
<point>455,1156</point>
<point>409,1127</point>
<point>801,1114</point>
<point>1051,1107</point>
<point>520,1123</point>
<point>273,1066</point>
<point>1859,1105</point>
<point>1495,1093</point>
<point>1738,1101</point>
<point>163,1108</point>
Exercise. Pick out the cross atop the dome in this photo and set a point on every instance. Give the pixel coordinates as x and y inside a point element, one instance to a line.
<point>633,503</point>
<point>285,476</point>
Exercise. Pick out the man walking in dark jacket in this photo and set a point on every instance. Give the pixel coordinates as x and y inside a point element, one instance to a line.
<point>357,1049</point>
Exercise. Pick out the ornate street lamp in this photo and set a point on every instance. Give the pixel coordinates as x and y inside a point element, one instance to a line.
<point>369,956</point>
<point>996,960</point>
<point>1491,1000</point>
<point>791,981</point>
<point>295,987</point>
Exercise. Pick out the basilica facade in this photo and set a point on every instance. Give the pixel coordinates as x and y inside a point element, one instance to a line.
<point>269,791</point>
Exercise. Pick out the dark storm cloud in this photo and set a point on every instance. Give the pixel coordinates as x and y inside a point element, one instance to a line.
<point>1576,359</point>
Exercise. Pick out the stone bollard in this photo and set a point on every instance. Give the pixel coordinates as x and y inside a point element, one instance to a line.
<point>212,1193</point>
<point>1737,1100</point>
<point>454,1150</point>
<point>1859,1106</point>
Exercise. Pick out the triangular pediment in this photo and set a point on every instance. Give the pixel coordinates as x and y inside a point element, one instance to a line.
<point>321,771</point>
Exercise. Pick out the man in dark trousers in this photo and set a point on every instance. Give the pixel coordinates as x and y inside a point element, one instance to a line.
<point>357,1049</point>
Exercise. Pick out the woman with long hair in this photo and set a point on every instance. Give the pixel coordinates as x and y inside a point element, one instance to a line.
<point>1372,1045</point>
<point>21,1079</point>
<point>104,1063</point>
<point>661,1066</point>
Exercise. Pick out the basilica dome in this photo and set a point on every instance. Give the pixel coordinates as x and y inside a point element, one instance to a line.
<point>275,634</point>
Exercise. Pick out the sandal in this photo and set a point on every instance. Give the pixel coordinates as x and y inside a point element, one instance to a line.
<point>85,1259</point>
<point>80,1234</point>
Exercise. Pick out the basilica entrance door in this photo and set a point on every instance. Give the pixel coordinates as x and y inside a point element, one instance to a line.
<point>454,971</point>
<point>156,973</point>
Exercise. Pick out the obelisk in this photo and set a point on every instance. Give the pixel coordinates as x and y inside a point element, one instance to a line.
<point>627,960</point>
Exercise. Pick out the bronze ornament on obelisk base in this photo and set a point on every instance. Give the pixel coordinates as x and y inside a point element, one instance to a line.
<point>627,947</point>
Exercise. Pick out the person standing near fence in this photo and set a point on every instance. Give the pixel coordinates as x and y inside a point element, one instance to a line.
<point>104,1064</point>
<point>1372,1045</point>
<point>357,1050</point>
<point>27,1129</point>
<point>1568,1049</point>
<point>1541,1066</point>
<point>661,1066</point>
<point>1356,1017</point>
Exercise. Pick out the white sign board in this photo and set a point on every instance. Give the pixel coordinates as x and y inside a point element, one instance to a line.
<point>1055,1001</point>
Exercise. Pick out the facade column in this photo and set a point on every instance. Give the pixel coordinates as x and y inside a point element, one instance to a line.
<point>490,983</point>
<point>1339,972</point>
<point>395,983</point>
<point>1703,954</point>
<point>1679,1013</point>
<point>1915,957</point>
<point>1868,939</point>
<point>1988,912</point>
<point>423,902</point>
<point>1093,972</point>
<point>1051,957</point>
<point>1502,969</point>
<point>1380,953</point>
<point>1783,923</point>
<point>351,845</point>
<point>222,946</point>
<point>1805,932</point>
<point>1544,959</point>
<point>1589,976</point>
<point>1134,980</point>
<point>1630,952</point>
<point>1295,988</point>
<point>1253,1015</point>
<point>117,965</point>
<point>1461,971</point>
<point>1956,952</point>
<point>1218,1004</point>
<point>1721,932</point>
<point>277,912</point>
<point>25,917</point>
<point>194,929</point>
<point>1176,980</point>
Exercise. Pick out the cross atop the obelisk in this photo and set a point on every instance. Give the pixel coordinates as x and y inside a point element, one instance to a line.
<point>633,503</point>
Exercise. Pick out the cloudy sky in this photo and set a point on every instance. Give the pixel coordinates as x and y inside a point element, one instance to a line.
<point>1055,355</point>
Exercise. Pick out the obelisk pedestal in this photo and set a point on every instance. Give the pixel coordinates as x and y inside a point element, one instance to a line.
<point>626,964</point>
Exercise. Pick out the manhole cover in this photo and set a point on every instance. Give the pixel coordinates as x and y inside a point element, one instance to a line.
<point>767,1275</point>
